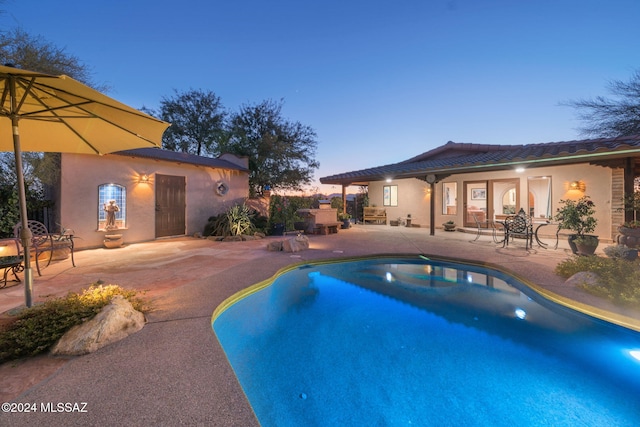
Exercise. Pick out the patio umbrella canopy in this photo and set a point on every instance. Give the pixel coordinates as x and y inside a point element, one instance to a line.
<point>45,113</point>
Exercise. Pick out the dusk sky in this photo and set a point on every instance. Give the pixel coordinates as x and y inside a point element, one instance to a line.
<point>379,81</point>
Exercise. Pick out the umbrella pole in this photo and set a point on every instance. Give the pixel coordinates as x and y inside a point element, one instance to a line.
<point>25,234</point>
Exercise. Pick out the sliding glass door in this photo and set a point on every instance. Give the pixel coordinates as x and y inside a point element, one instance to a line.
<point>489,200</point>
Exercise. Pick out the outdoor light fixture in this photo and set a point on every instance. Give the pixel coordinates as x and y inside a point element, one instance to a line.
<point>144,178</point>
<point>388,179</point>
<point>520,169</point>
<point>578,185</point>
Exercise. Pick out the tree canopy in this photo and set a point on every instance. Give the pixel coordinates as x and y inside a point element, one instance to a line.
<point>197,120</point>
<point>281,152</point>
<point>612,116</point>
<point>34,53</point>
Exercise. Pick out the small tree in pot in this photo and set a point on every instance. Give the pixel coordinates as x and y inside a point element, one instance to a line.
<point>630,230</point>
<point>577,216</point>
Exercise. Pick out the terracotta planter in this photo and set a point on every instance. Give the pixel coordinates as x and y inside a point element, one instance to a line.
<point>449,227</point>
<point>112,241</point>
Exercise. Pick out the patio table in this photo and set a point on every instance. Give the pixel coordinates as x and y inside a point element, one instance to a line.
<point>10,263</point>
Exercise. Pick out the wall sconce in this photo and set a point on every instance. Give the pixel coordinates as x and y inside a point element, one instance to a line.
<point>144,178</point>
<point>578,185</point>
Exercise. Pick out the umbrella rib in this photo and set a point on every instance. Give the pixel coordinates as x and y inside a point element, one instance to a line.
<point>55,93</point>
<point>26,92</point>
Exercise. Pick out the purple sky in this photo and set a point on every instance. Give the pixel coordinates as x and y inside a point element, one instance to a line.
<point>379,81</point>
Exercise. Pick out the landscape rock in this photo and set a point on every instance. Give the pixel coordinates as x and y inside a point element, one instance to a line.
<point>587,278</point>
<point>295,244</point>
<point>115,321</point>
<point>274,246</point>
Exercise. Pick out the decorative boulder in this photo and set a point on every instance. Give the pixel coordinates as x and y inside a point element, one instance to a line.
<point>115,321</point>
<point>275,246</point>
<point>296,244</point>
<point>584,278</point>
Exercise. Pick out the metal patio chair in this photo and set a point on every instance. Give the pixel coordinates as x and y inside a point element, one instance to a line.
<point>42,241</point>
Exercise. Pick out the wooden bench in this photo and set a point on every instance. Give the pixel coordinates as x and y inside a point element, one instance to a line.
<point>326,228</point>
<point>374,214</point>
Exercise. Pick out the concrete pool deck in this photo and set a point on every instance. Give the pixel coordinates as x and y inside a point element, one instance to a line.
<point>174,371</point>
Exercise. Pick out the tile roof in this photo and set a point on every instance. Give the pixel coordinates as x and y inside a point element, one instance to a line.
<point>454,157</point>
<point>178,157</point>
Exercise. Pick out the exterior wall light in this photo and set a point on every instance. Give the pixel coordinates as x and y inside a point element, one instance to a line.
<point>144,178</point>
<point>578,185</point>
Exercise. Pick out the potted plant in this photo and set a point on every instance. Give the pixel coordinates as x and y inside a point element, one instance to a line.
<point>586,244</point>
<point>449,226</point>
<point>577,216</point>
<point>630,230</point>
<point>345,218</point>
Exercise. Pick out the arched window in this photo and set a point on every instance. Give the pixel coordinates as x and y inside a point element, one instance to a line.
<point>112,206</point>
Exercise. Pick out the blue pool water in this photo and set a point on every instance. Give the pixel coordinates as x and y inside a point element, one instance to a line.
<point>398,342</point>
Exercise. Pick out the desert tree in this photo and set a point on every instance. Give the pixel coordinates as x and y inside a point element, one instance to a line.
<point>613,116</point>
<point>281,152</point>
<point>197,120</point>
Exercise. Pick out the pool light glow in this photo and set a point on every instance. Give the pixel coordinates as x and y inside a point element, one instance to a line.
<point>635,354</point>
<point>520,313</point>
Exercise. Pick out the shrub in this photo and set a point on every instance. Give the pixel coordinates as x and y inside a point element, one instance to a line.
<point>217,225</point>
<point>618,279</point>
<point>283,209</point>
<point>38,328</point>
<point>618,251</point>
<point>577,215</point>
<point>239,217</point>
<point>238,220</point>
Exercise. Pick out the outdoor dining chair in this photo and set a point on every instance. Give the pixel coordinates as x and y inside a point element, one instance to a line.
<point>518,226</point>
<point>485,225</point>
<point>42,241</point>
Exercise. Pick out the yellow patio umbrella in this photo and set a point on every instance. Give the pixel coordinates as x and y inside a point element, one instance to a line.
<point>46,113</point>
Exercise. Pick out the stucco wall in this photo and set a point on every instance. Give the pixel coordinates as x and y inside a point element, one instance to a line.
<point>414,198</point>
<point>82,174</point>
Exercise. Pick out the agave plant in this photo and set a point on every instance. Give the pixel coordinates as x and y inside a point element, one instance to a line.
<point>236,221</point>
<point>240,220</point>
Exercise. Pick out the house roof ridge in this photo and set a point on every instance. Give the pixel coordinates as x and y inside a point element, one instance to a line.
<point>157,153</point>
<point>472,156</point>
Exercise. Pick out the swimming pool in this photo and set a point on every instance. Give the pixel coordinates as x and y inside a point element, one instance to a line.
<point>411,341</point>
